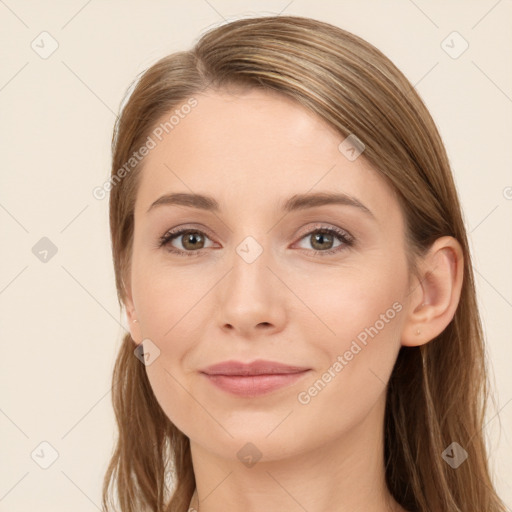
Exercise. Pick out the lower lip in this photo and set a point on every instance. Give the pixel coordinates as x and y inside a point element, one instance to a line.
<point>254,385</point>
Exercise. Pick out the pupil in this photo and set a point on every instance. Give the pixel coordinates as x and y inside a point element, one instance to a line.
<point>319,238</point>
<point>192,239</point>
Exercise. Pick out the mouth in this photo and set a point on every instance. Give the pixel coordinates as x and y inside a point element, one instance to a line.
<point>253,379</point>
<point>257,367</point>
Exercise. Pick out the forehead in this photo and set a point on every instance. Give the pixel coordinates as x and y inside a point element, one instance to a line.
<point>251,147</point>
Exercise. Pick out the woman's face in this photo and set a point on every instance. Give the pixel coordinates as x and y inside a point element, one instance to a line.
<point>252,281</point>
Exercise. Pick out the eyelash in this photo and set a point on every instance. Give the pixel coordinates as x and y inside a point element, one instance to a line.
<point>346,239</point>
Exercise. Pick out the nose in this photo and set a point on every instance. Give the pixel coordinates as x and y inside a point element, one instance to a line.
<point>251,299</point>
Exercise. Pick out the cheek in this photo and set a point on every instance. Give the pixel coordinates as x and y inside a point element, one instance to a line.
<point>172,315</point>
<point>358,364</point>
<point>171,322</point>
<point>167,299</point>
<point>362,316</point>
<point>362,301</point>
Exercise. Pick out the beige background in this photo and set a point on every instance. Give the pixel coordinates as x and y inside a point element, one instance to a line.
<point>61,324</point>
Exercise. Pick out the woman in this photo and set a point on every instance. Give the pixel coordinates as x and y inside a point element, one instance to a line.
<point>263,370</point>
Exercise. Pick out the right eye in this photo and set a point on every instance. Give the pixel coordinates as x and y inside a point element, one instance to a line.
<point>190,240</point>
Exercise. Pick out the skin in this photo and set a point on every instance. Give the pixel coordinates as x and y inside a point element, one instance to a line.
<point>251,150</point>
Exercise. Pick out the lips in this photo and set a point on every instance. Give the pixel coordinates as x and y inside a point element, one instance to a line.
<point>253,379</point>
<point>258,367</point>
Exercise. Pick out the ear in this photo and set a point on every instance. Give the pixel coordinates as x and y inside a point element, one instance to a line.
<point>131,315</point>
<point>434,297</point>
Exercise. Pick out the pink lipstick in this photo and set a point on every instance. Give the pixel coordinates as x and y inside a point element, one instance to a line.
<point>253,379</point>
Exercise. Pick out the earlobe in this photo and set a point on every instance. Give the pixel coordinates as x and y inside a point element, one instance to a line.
<point>435,296</point>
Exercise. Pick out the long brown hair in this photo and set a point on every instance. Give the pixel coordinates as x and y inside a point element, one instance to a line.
<point>437,392</point>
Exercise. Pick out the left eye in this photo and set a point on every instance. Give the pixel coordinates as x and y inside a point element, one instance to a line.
<point>193,240</point>
<point>321,237</point>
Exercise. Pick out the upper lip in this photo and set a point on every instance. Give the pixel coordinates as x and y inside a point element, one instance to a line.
<point>258,367</point>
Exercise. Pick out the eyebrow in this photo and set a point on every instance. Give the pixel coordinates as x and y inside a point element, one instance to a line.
<point>296,202</point>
